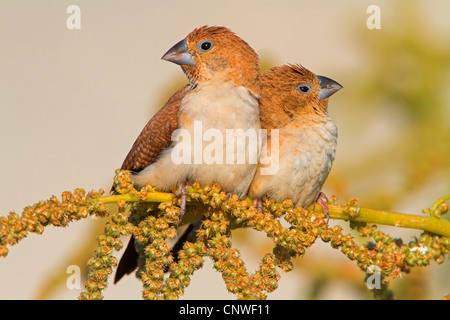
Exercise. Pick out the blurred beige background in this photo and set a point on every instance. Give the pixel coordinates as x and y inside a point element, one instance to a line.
<point>72,103</point>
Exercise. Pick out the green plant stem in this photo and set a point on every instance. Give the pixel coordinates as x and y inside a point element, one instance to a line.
<point>129,198</point>
<point>436,207</point>
<point>426,223</point>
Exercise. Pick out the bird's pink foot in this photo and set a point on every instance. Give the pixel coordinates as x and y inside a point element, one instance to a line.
<point>182,193</point>
<point>321,199</point>
<point>257,203</point>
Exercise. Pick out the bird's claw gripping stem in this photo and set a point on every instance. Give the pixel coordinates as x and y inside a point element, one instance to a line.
<point>257,203</point>
<point>320,200</point>
<point>183,194</point>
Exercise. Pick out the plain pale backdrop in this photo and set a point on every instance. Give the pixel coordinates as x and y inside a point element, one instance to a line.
<point>72,102</point>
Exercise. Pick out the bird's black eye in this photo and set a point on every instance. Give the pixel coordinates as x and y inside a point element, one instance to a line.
<point>304,88</point>
<point>205,45</point>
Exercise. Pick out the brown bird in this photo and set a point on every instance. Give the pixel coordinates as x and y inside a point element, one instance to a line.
<point>301,140</point>
<point>299,152</point>
<point>223,93</point>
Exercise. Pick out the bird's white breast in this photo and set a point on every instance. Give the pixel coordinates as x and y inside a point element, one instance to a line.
<point>306,155</point>
<point>212,109</point>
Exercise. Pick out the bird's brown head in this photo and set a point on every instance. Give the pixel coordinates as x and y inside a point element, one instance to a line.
<point>295,91</point>
<point>216,54</point>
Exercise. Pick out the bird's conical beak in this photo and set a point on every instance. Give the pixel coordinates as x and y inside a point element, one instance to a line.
<point>328,87</point>
<point>179,54</point>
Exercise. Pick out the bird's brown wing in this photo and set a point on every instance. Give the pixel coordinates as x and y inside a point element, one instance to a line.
<point>156,135</point>
<point>154,138</point>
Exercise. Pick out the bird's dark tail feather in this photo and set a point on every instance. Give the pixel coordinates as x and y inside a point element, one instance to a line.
<point>180,242</point>
<point>129,261</point>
